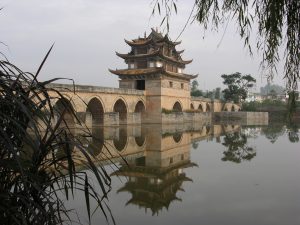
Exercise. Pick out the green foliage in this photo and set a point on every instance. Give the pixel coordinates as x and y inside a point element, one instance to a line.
<point>166,111</point>
<point>266,105</point>
<point>237,86</point>
<point>38,154</point>
<point>218,93</point>
<point>194,89</point>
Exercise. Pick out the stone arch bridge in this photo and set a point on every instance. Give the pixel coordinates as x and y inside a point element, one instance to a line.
<point>116,106</point>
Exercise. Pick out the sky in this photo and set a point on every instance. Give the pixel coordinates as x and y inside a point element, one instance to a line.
<point>86,34</point>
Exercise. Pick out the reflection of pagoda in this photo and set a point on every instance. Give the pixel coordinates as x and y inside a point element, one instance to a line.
<point>156,66</point>
<point>154,187</point>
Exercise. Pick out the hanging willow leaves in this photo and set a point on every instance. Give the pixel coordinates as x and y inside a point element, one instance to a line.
<point>278,25</point>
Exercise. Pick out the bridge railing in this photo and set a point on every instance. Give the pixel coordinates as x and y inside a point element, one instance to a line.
<point>95,89</point>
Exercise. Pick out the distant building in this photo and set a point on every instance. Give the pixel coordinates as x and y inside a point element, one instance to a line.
<point>254,97</point>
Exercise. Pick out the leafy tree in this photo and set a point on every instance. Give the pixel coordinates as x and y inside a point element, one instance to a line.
<point>237,86</point>
<point>278,24</point>
<point>273,94</point>
<point>218,93</point>
<point>195,85</point>
<point>194,89</point>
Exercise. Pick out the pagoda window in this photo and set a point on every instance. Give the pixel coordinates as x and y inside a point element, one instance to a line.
<point>142,64</point>
<point>159,64</point>
<point>179,70</point>
<point>151,64</point>
<point>169,67</point>
<point>130,65</point>
<point>140,84</point>
<point>182,85</point>
<point>170,84</point>
<point>142,50</point>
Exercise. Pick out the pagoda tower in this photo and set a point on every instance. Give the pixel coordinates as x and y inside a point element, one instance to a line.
<point>155,66</point>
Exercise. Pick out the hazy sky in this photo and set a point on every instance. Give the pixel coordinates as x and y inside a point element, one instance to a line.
<point>88,32</point>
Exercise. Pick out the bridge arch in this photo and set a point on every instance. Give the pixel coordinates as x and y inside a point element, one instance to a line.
<point>177,107</point>
<point>94,112</point>
<point>63,107</point>
<point>121,107</point>
<point>140,107</point>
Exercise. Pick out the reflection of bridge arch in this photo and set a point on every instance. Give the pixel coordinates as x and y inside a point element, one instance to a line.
<point>121,108</point>
<point>95,112</point>
<point>140,140</point>
<point>121,142</point>
<point>177,137</point>
<point>96,145</point>
<point>208,107</point>
<point>63,107</point>
<point>177,107</point>
<point>232,108</point>
<point>200,108</point>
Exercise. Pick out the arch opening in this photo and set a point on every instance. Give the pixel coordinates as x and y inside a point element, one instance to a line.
<point>63,107</point>
<point>139,107</point>
<point>192,106</point>
<point>121,108</point>
<point>177,107</point>
<point>94,113</point>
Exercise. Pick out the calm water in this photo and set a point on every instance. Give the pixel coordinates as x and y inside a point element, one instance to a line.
<point>202,175</point>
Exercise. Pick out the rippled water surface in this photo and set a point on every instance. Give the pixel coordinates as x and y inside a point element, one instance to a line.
<point>220,174</point>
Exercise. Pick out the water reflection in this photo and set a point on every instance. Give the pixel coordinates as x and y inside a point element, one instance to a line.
<point>237,148</point>
<point>156,157</point>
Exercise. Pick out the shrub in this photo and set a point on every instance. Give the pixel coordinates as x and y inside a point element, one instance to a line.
<point>32,173</point>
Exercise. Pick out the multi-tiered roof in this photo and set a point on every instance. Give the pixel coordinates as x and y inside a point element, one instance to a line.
<point>153,55</point>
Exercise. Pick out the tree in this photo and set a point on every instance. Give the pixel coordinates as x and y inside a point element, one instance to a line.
<point>237,86</point>
<point>218,93</point>
<point>278,24</point>
<point>194,89</point>
<point>273,94</point>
